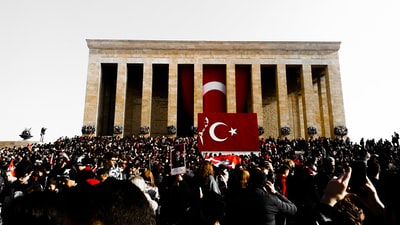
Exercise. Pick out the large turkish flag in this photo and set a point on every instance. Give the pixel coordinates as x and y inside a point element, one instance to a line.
<point>228,132</point>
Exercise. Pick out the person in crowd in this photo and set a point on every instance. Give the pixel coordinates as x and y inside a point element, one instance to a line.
<point>373,173</point>
<point>68,179</point>
<point>176,199</point>
<point>303,192</point>
<point>269,170</point>
<point>285,171</point>
<point>280,184</point>
<point>151,186</point>
<point>115,202</point>
<point>141,184</point>
<point>103,176</point>
<point>263,201</point>
<point>52,185</point>
<point>209,200</point>
<point>205,178</point>
<point>281,174</point>
<point>83,167</point>
<point>111,165</point>
<point>338,206</point>
<point>239,180</point>
<point>291,164</point>
<point>336,190</point>
<point>6,191</point>
<point>222,177</point>
<point>326,171</point>
<point>236,196</point>
<point>59,163</point>
<point>34,208</point>
<point>24,170</point>
<point>10,176</point>
<point>39,175</point>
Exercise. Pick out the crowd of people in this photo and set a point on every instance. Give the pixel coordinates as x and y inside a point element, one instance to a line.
<point>129,180</point>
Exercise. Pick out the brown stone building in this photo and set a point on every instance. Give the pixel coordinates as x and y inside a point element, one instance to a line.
<point>156,87</point>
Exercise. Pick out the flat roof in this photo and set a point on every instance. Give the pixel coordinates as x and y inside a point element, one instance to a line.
<point>116,44</point>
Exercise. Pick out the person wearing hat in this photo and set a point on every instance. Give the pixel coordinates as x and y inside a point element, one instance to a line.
<point>24,184</point>
<point>69,178</point>
<point>84,172</point>
<point>21,186</point>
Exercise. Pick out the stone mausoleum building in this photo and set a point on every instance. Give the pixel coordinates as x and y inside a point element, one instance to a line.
<point>156,87</point>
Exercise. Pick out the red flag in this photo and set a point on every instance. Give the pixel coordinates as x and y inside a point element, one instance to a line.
<point>229,161</point>
<point>214,89</point>
<point>11,168</point>
<point>93,181</point>
<point>228,132</point>
<point>51,161</point>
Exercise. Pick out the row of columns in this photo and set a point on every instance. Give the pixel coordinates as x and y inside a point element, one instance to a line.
<point>307,93</point>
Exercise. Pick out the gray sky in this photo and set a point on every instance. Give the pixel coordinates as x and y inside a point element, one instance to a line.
<point>43,51</point>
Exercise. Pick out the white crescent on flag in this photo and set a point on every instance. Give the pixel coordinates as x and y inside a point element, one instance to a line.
<point>212,132</point>
<point>213,136</point>
<point>214,85</point>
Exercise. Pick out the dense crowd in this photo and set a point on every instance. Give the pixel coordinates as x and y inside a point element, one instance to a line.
<point>113,180</point>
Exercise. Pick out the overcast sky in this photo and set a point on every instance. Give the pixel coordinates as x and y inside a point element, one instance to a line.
<point>44,56</point>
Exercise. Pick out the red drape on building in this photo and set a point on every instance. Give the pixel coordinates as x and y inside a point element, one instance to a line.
<point>186,79</point>
<point>242,88</point>
<point>214,88</point>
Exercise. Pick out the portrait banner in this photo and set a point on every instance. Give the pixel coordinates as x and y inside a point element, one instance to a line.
<point>177,159</point>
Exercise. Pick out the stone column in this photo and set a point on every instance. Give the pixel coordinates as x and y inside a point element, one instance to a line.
<point>120,97</point>
<point>308,100</point>
<point>230,88</point>
<point>324,112</point>
<point>92,93</point>
<point>146,95</point>
<point>335,96</point>
<point>256,94</point>
<point>282,97</point>
<point>172,95</point>
<point>198,92</point>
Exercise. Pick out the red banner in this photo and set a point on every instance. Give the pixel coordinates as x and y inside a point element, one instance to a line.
<point>230,161</point>
<point>242,87</point>
<point>214,89</point>
<point>228,132</point>
<point>11,168</point>
<point>186,85</point>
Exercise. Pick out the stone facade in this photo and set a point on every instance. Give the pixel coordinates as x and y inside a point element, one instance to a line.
<point>134,84</point>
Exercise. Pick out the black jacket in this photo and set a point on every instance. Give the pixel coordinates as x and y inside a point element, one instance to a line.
<point>262,206</point>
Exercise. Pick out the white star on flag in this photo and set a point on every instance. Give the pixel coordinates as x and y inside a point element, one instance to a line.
<point>232,131</point>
